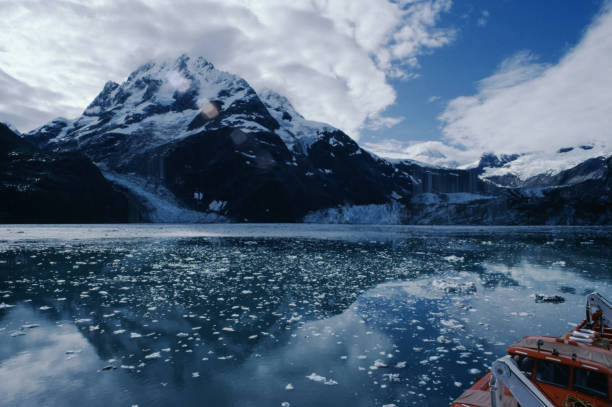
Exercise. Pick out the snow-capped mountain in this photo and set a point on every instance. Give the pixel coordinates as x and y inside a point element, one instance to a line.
<point>158,103</point>
<point>210,143</point>
<point>189,142</point>
<point>545,168</point>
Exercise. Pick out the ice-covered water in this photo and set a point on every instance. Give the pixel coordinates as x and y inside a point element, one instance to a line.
<point>261,315</point>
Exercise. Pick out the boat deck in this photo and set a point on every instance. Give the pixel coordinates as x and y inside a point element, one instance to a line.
<point>584,348</point>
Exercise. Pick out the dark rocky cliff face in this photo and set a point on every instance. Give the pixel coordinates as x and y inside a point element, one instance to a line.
<point>255,177</point>
<point>582,196</point>
<point>40,187</point>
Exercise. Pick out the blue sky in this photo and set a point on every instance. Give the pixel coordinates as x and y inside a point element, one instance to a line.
<point>547,28</point>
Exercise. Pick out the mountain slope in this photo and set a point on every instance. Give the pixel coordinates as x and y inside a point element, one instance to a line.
<point>41,187</point>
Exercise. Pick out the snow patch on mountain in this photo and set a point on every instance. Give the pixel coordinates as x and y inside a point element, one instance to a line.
<point>160,100</point>
<point>160,202</point>
<point>294,127</point>
<point>529,165</point>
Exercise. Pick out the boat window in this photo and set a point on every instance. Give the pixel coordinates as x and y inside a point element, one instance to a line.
<point>552,373</point>
<point>525,364</point>
<point>591,382</point>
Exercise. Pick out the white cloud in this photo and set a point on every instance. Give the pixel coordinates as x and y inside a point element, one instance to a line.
<point>382,122</point>
<point>483,19</point>
<point>430,152</point>
<point>331,58</point>
<point>528,106</point>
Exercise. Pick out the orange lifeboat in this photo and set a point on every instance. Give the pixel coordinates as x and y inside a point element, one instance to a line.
<point>540,371</point>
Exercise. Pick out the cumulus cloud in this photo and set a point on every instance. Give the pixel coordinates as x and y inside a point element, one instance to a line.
<point>331,58</point>
<point>20,103</point>
<point>430,152</point>
<point>527,106</point>
<point>530,106</point>
<point>483,19</point>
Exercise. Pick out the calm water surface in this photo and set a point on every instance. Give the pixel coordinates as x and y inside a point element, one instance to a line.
<point>278,315</point>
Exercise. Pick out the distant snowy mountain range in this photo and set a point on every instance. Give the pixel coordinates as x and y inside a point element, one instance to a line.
<point>184,141</point>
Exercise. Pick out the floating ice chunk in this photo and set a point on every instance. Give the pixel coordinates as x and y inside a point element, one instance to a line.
<point>474,371</point>
<point>82,321</point>
<point>118,331</point>
<point>154,355</point>
<point>400,365</point>
<point>253,337</point>
<point>182,335</point>
<point>228,329</point>
<point>458,384</point>
<point>285,404</point>
<point>44,308</point>
<point>3,305</point>
<point>321,379</point>
<point>453,258</point>
<point>378,363</point>
<point>289,386</point>
<point>135,335</point>
<point>195,374</point>
<point>451,323</point>
<point>454,287</point>
<point>30,326</point>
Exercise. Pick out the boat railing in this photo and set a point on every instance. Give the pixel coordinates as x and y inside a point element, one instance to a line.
<point>506,373</point>
<point>597,302</point>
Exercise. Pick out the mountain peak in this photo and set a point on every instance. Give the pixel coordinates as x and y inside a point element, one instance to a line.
<point>491,160</point>
<point>185,64</point>
<point>293,125</point>
<point>11,128</point>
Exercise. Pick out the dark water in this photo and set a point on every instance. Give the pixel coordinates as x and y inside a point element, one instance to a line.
<point>243,315</point>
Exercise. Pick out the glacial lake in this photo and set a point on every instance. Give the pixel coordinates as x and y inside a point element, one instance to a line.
<point>278,315</point>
